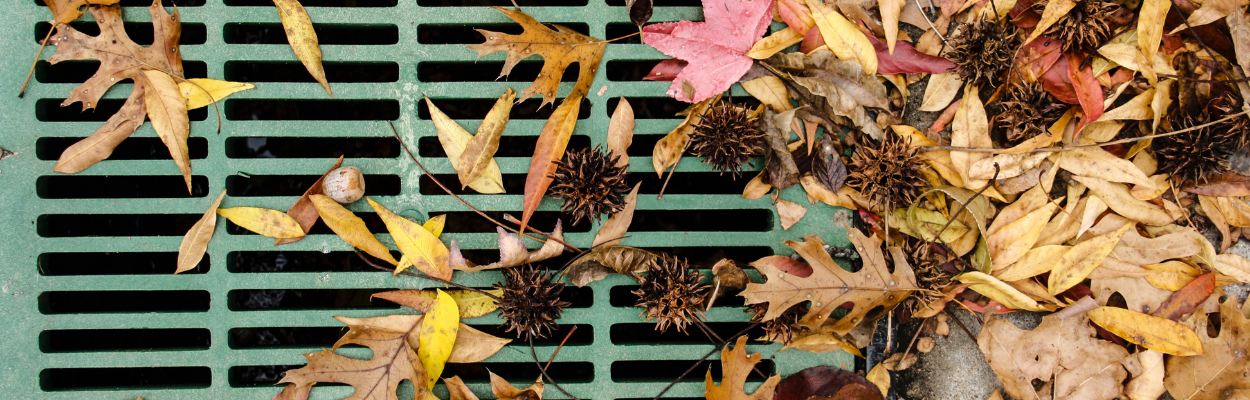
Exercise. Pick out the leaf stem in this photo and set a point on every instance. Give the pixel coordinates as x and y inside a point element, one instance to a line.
<point>566,339</point>
<point>622,37</point>
<point>543,370</point>
<point>38,56</point>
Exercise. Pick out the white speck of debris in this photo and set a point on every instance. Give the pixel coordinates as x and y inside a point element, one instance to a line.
<point>325,248</point>
<point>324,278</point>
<point>603,90</point>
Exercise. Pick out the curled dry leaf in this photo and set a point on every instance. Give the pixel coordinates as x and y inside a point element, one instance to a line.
<point>1154,333</point>
<point>1062,349</point>
<point>479,155</point>
<point>559,49</point>
<point>1120,200</point>
<point>781,170</point>
<point>736,365</point>
<point>394,359</point>
<point>668,150</point>
<point>548,151</point>
<point>621,131</point>
<point>605,260</point>
<point>843,37</point>
<point>195,243</point>
<point>841,89</point>
<point>419,246</point>
<point>471,304</point>
<point>512,251</point>
<point>350,228</point>
<point>821,341</point>
<point>303,211</point>
<point>263,221</point>
<point>505,391</point>
<point>614,229</point>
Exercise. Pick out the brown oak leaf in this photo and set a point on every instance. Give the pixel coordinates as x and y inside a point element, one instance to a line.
<point>393,340</point>
<point>559,48</point>
<point>1221,371</point>
<point>1062,349</point>
<point>66,11</point>
<point>736,365</point>
<point>829,286</point>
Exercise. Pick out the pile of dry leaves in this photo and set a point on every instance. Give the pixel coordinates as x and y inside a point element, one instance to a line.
<point>1088,159</point>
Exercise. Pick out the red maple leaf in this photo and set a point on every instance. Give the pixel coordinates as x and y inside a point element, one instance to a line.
<point>716,49</point>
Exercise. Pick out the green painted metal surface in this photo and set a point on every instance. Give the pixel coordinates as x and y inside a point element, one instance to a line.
<point>40,223</point>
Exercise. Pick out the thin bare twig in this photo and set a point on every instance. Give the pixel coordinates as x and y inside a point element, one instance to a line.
<point>561,346</point>
<point>935,29</point>
<point>38,56</point>
<point>420,275</point>
<point>543,370</point>
<point>470,206</point>
<point>705,356</point>
<point>961,325</point>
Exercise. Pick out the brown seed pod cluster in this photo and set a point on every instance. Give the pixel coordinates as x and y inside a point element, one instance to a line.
<point>982,51</point>
<point>1199,154</point>
<point>726,138</point>
<point>888,174</point>
<point>590,184</point>
<point>531,303</point>
<point>1028,110</point>
<point>671,293</point>
<point>782,329</point>
<point>1086,26</point>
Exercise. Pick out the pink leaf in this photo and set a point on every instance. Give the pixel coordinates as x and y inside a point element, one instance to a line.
<point>716,49</point>
<point>906,59</point>
<point>811,41</point>
<point>1055,81</point>
<point>1088,90</point>
<point>795,16</point>
<point>665,71</point>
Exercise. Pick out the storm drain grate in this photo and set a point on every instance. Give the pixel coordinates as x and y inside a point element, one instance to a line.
<point>89,300</point>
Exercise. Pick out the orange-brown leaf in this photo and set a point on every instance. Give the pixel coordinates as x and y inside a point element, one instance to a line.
<point>394,360</point>
<point>1187,299</point>
<point>65,11</point>
<point>559,48</point>
<point>195,243</point>
<point>736,365</point>
<point>303,211</point>
<point>550,148</point>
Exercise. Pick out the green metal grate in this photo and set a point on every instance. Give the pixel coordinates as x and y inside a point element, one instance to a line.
<point>92,311</point>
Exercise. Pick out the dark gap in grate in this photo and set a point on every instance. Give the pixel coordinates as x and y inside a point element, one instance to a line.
<point>371,219</point>
<point>667,370</point>
<point>468,221</point>
<point>67,264</point>
<point>690,183</point>
<point>578,297</point>
<point>584,335</point>
<point>295,185</point>
<point>488,3</point>
<point>313,147</point>
<point>76,225</point>
<point>512,183</point>
<point>263,375</point>
<point>706,257</point>
<point>297,261</point>
<point>620,29</point>
<point>487,256</point>
<point>78,71</point>
<point>139,32</point>
<point>276,337</point>
<point>748,220</point>
<point>623,296</point>
<point>133,148</point>
<point>310,110</point>
<point>476,109</point>
<point>509,146</point>
<point>468,34</point>
<point>50,110</point>
<point>522,372</point>
<point>629,70</point>
<point>645,333</point>
<point>56,379</point>
<point>123,301</point>
<point>317,3</point>
<point>74,340</point>
<point>486,71</point>
<point>305,299</point>
<point>165,3</point>
<point>651,107</point>
<point>119,187</point>
<point>666,3</point>
<point>327,34</point>
<point>293,71</point>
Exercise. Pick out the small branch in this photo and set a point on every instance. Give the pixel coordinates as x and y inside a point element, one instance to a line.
<point>466,204</point>
<point>1186,78</point>
<point>961,325</point>
<point>566,339</point>
<point>38,56</point>
<point>622,37</point>
<point>420,275</point>
<point>705,356</point>
<point>935,29</point>
<point>543,370</point>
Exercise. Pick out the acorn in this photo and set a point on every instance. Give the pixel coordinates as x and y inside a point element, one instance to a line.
<point>344,185</point>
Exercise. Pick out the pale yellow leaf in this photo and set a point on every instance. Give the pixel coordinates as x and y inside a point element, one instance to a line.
<point>419,246</point>
<point>479,155</point>
<point>879,375</point>
<point>774,43</point>
<point>614,229</point>
<point>195,242</point>
<point>471,304</point>
<point>1008,244</point>
<point>438,336</point>
<point>1119,199</point>
<point>1098,163</point>
<point>940,90</point>
<point>1159,185</point>
<point>1239,30</point>
<point>789,213</point>
<point>843,37</point>
<point>621,132</point>
<point>1138,108</point>
<point>845,197</point>
<point>667,151</point>
<point>303,39</point>
<point>350,228</point>
<point>1163,99</point>
<point>1099,132</point>
<point>769,90</point>
<point>455,140</point>
<point>1154,333</point>
<point>1150,25</point>
<point>971,128</point>
<point>1009,165</point>
<point>167,110</point>
<point>1036,261</point>
<point>1234,266</point>
<point>272,223</point>
<point>1147,384</point>
<point>201,92</point>
<point>1083,258</point>
<point>890,10</point>
<point>1093,209</point>
<point>1054,10</point>
<point>925,224</point>
<point>999,291</point>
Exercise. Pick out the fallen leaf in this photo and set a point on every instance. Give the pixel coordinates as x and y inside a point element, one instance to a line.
<point>350,227</point>
<point>303,39</point>
<point>1138,250</point>
<point>419,246</point>
<point>926,224</point>
<point>604,260</point>
<point>1187,298</point>
<point>303,211</point>
<point>822,383</point>
<point>1148,383</point>
<point>844,38</point>
<point>940,90</point>
<point>512,251</point>
<point>1053,11</point>
<point>471,304</point>
<point>1138,108</point>
<point>438,336</point>
<point>639,11</point>
<point>1150,25</point>
<point>1088,90</point>
<point>821,341</point>
<point>394,360</point>
<point>1120,200</point>
<point>999,291</point>
<point>621,131</point>
<point>614,229</point>
<point>769,90</point>
<point>1010,243</point>
<point>1036,261</point>
<point>457,389</point>
<point>1239,31</point>
<point>66,11</point>
<point>195,242</point>
<point>1234,266</point>
<point>780,169</point>
<point>1222,368</point>
<point>479,155</point>
<point>266,222</point>
<point>902,58</point>
<point>290,392</point>
<point>774,43</point>
<point>789,213</point>
<point>1060,349</point>
<point>668,150</point>
<point>829,285</point>
<point>167,110</point>
<point>1163,99</point>
<point>549,150</point>
<point>559,48</point>
<point>1098,163</point>
<point>841,89</point>
<point>201,92</point>
<point>1171,275</point>
<point>971,128</point>
<point>505,391</point>
<point>878,376</point>
<point>716,48</point>
<point>1154,333</point>
<point>455,140</point>
<point>736,365</point>
<point>1075,265</point>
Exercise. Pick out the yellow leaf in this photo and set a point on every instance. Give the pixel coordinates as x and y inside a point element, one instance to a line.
<point>419,246</point>
<point>1136,109</point>
<point>1234,266</point>
<point>1163,99</point>
<point>1150,25</point>
<point>195,243</point>
<point>1098,163</point>
<point>471,304</point>
<point>438,336</point>
<point>479,155</point>
<point>1154,333</point>
<point>879,375</point>
<point>999,291</point>
<point>614,229</point>
<point>299,32</point>
<point>1054,10</point>
<point>971,128</point>
<point>1036,261</point>
<point>1081,259</point>
<point>756,188</point>
<point>890,10</point>
<point>668,149</point>
<point>924,224</point>
<point>774,43</point>
<point>1008,244</point>
<point>435,225</point>
<point>1120,200</point>
<point>167,111</point>
<point>272,223</point>
<point>1009,165</point>
<point>350,227</point>
<point>1171,275</point>
<point>843,198</point>
<point>843,38</point>
<point>769,90</point>
<point>455,141</point>
<point>821,342</point>
<point>202,92</point>
<point>941,89</point>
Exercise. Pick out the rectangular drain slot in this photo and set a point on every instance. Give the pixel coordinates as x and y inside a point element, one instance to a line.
<point>468,221</point>
<point>372,221</point>
<point>55,379</point>
<point>78,71</point>
<point>629,70</point>
<point>139,32</point>
<point>311,110</point>
<point>312,147</point>
<point>668,370</point>
<point>468,34</point>
<point>488,3</point>
<point>318,3</point>
<point>645,333</point>
<point>295,185</point>
<point>50,110</point>
<point>79,225</point>
<point>519,372</point>
<point>293,71</point>
<point>296,261</point>
<point>305,299</point>
<point>119,187</point>
<point>123,301</point>
<point>327,34</point>
<point>476,109</point>
<point>68,264</point>
<point>509,146</point>
<point>133,148</point>
<point>746,220</point>
<point>287,337</point>
<point>485,71</point>
<point>77,340</point>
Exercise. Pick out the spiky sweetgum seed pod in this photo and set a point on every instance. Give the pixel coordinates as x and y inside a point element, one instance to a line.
<point>531,303</point>
<point>1085,26</point>
<point>888,173</point>
<point>590,184</point>
<point>1028,110</point>
<point>982,51</point>
<point>1200,154</point>
<point>726,138</point>
<point>671,293</point>
<point>782,329</point>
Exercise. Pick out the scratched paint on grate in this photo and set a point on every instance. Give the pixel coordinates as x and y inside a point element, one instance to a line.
<point>92,310</point>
